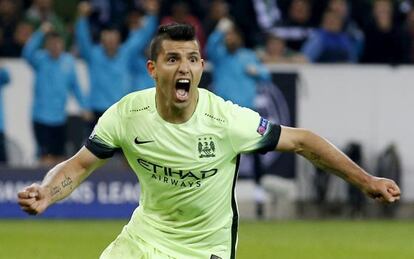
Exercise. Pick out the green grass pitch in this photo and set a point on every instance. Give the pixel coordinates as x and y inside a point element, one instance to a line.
<point>59,239</point>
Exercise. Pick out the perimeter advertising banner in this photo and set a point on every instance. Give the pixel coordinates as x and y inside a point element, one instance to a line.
<point>107,193</point>
<point>113,191</point>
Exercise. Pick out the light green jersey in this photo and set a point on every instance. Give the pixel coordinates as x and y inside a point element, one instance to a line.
<point>187,172</point>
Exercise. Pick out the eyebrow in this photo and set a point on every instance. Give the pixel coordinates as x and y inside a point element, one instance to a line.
<point>177,53</point>
<point>194,53</point>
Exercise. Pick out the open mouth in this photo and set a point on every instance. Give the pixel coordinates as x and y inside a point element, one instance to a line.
<point>182,88</point>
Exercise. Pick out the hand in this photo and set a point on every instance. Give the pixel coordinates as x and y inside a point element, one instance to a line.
<point>46,27</point>
<point>88,116</point>
<point>33,199</point>
<point>383,190</point>
<point>251,70</point>
<point>224,24</point>
<point>84,8</point>
<point>151,6</point>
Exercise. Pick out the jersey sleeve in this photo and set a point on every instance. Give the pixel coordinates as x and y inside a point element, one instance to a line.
<point>104,141</point>
<point>249,132</point>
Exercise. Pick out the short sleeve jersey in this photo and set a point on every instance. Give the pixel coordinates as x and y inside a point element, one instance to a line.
<point>187,171</point>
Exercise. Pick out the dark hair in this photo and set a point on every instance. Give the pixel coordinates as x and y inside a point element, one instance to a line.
<point>53,35</point>
<point>175,31</point>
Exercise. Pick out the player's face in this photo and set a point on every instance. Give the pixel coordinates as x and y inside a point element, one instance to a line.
<point>177,72</point>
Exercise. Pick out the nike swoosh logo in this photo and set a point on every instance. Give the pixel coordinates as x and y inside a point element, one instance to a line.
<point>142,142</point>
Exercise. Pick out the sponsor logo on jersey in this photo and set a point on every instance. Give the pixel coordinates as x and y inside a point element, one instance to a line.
<point>263,124</point>
<point>206,147</point>
<point>176,177</point>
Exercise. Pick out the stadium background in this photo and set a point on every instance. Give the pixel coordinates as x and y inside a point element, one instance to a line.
<point>370,104</point>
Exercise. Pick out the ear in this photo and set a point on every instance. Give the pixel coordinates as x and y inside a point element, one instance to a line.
<point>151,69</point>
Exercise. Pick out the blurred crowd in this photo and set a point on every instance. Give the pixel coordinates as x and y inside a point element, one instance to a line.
<point>237,37</point>
<point>280,31</point>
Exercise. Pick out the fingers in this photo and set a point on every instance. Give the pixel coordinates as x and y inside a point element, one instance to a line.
<point>30,199</point>
<point>31,191</point>
<point>32,210</point>
<point>26,202</point>
<point>393,188</point>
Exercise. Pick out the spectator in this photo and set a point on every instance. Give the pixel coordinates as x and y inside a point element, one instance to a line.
<point>296,28</point>
<point>276,52</point>
<point>218,9</point>
<point>107,14</point>
<point>236,72</point>
<point>234,65</point>
<point>109,62</point>
<point>350,27</point>
<point>4,80</point>
<point>180,13</point>
<point>20,36</point>
<point>140,77</point>
<point>267,13</point>
<point>42,11</point>
<point>385,42</point>
<point>329,43</point>
<point>244,15</point>
<point>55,77</point>
<point>9,20</point>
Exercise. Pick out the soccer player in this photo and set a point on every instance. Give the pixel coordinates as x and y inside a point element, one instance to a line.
<point>184,145</point>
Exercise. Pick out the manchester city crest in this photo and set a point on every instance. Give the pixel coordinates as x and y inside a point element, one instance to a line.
<point>206,147</point>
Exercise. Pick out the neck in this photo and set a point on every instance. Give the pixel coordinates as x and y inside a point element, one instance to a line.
<point>110,53</point>
<point>172,113</point>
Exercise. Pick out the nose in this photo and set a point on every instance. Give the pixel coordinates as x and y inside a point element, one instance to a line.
<point>184,67</point>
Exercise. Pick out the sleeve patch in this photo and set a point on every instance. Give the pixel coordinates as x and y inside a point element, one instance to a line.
<point>270,140</point>
<point>263,125</point>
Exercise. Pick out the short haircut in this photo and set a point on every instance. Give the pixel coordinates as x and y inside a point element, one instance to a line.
<point>175,32</point>
<point>53,35</point>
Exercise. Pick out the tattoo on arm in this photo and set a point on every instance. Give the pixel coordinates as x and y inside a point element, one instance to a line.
<point>67,182</point>
<point>315,159</point>
<point>319,162</point>
<point>55,190</point>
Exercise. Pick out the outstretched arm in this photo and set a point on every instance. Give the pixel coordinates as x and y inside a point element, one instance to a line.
<point>30,49</point>
<point>327,157</point>
<point>141,35</point>
<point>82,31</point>
<point>215,48</point>
<point>59,182</point>
<point>256,69</point>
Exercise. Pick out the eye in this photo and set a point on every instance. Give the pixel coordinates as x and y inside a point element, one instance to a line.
<point>193,59</point>
<point>171,60</point>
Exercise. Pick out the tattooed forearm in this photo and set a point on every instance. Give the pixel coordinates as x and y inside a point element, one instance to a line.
<point>55,190</point>
<point>319,162</point>
<point>67,182</point>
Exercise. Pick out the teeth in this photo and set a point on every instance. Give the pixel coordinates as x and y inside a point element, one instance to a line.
<point>184,81</point>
